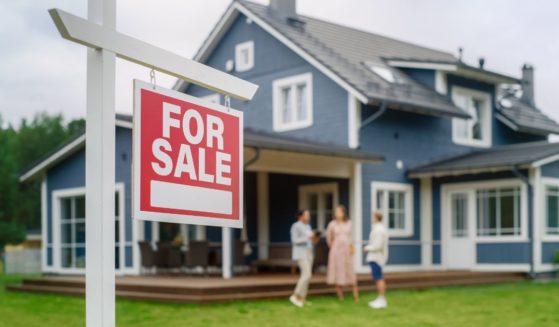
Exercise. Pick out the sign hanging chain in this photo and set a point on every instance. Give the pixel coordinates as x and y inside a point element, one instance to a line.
<point>228,102</point>
<point>152,77</point>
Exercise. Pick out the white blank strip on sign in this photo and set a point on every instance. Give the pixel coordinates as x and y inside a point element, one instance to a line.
<point>192,198</point>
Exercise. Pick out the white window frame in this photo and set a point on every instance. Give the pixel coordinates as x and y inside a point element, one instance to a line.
<point>545,183</point>
<point>319,189</point>
<point>292,82</point>
<point>472,187</point>
<point>57,196</point>
<point>214,98</point>
<point>377,187</point>
<point>499,218</point>
<point>486,119</point>
<point>240,65</point>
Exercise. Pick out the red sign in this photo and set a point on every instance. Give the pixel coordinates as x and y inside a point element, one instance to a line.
<point>188,156</point>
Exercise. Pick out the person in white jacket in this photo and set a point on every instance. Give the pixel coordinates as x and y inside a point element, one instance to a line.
<point>377,256</point>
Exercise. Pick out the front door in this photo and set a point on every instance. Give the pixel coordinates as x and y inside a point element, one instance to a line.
<point>320,200</point>
<point>460,249</point>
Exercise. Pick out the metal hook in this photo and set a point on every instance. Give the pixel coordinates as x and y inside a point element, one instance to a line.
<point>227,102</point>
<point>152,77</point>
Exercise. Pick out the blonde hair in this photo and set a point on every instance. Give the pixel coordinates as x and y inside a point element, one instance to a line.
<point>377,215</point>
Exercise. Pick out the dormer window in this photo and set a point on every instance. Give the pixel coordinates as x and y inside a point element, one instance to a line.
<point>244,56</point>
<point>475,131</point>
<point>292,102</point>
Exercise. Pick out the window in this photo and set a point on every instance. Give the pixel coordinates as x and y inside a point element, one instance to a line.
<point>292,101</point>
<point>498,212</point>
<point>384,72</point>
<point>244,56</point>
<point>395,201</point>
<point>552,210</point>
<point>475,131</point>
<point>70,210</point>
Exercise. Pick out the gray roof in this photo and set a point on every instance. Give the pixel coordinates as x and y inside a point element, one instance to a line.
<point>346,51</point>
<point>525,117</point>
<point>496,159</point>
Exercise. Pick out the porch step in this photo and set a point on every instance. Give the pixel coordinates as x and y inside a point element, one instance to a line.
<point>185,290</point>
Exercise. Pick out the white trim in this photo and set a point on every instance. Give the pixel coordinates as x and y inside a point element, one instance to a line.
<point>446,189</point>
<point>426,222</point>
<point>356,211</point>
<point>44,224</point>
<point>56,229</point>
<point>58,155</point>
<point>124,124</point>
<point>546,161</point>
<point>239,48</point>
<point>540,188</point>
<point>353,121</point>
<point>319,189</point>
<point>538,207</point>
<point>440,82</point>
<point>277,96</point>
<point>262,186</point>
<point>486,120</point>
<point>506,121</point>
<point>295,48</point>
<point>407,188</point>
<point>423,65</point>
<point>463,171</point>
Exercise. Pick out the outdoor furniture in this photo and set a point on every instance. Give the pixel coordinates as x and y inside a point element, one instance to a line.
<point>167,256</point>
<point>279,256</point>
<point>198,255</point>
<point>147,255</point>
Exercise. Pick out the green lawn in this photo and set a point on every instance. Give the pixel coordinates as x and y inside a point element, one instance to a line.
<point>518,304</point>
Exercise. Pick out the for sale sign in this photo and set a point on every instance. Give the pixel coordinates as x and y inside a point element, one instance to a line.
<point>188,156</point>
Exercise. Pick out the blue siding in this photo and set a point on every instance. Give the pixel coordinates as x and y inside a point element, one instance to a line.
<point>436,253</point>
<point>273,60</point>
<point>551,170</point>
<point>404,254</point>
<point>70,173</point>
<point>503,253</point>
<point>549,249</point>
<point>423,76</point>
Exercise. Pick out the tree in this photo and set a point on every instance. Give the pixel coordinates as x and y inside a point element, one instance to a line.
<point>20,148</point>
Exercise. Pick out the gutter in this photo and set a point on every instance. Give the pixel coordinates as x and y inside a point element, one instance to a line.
<point>374,116</point>
<point>526,180</point>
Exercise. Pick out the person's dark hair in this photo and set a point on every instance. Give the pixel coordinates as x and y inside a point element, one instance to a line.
<point>344,210</point>
<point>300,213</point>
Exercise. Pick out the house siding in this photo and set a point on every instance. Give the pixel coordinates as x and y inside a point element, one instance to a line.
<point>549,250</point>
<point>70,173</point>
<point>273,60</point>
<point>551,169</point>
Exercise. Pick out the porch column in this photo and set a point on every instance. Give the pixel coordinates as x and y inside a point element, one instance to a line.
<point>263,214</point>
<point>538,205</point>
<point>200,233</point>
<point>426,222</point>
<point>355,201</point>
<point>226,250</point>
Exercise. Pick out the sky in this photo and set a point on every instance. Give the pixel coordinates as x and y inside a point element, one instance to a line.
<point>40,71</point>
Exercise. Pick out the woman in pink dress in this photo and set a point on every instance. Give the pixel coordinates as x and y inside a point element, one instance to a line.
<point>340,259</point>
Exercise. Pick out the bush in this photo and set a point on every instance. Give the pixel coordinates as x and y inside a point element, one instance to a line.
<point>556,258</point>
<point>11,233</point>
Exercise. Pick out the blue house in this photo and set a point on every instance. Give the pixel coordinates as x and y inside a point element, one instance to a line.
<point>456,156</point>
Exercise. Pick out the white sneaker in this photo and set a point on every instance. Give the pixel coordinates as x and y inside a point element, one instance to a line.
<point>296,302</point>
<point>379,303</point>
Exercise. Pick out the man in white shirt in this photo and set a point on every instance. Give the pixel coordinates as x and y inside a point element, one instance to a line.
<point>377,255</point>
<point>302,239</point>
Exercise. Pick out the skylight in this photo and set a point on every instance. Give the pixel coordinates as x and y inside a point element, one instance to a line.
<point>384,72</point>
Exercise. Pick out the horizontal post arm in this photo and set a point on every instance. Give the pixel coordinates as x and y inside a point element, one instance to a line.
<point>95,36</point>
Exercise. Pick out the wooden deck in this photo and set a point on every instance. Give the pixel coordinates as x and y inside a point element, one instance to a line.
<point>186,289</point>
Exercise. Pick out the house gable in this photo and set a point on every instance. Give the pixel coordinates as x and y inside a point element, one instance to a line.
<point>273,60</point>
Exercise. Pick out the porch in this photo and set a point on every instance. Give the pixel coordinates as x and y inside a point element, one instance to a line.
<point>181,289</point>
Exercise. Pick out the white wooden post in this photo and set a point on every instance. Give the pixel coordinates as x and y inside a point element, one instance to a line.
<point>226,250</point>
<point>100,174</point>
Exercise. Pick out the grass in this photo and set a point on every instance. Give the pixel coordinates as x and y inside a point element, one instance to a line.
<point>516,304</point>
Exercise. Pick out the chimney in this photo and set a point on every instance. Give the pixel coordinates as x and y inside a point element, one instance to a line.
<point>528,84</point>
<point>283,9</point>
<point>481,61</point>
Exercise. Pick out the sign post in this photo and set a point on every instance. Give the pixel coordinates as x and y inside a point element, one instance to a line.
<point>99,34</point>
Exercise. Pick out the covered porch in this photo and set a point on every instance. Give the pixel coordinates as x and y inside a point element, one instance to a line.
<point>282,175</point>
